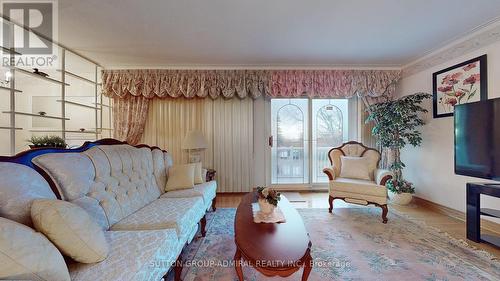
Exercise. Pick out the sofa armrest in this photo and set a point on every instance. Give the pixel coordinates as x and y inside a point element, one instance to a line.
<point>382,176</point>
<point>330,173</point>
<point>209,174</point>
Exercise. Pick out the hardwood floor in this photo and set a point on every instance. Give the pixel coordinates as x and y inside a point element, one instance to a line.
<point>453,226</point>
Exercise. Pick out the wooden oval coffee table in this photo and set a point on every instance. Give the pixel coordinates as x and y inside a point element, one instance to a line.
<point>274,249</point>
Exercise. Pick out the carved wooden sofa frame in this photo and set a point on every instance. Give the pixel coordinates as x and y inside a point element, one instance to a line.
<point>25,158</point>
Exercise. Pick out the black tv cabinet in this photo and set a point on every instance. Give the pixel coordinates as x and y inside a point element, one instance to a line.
<point>474,211</point>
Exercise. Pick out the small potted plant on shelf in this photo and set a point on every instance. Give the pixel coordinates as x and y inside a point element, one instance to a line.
<point>268,199</point>
<point>47,141</point>
<point>396,124</point>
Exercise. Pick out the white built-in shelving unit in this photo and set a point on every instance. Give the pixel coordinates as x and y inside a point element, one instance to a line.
<point>67,103</point>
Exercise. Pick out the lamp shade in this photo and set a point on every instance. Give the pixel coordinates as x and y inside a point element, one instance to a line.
<point>194,140</point>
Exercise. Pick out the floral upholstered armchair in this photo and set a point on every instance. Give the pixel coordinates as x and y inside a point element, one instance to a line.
<point>355,178</point>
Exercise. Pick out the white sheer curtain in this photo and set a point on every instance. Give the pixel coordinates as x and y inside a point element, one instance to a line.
<point>226,124</point>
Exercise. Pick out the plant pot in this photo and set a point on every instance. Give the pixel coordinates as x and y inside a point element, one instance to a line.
<point>32,146</point>
<point>265,207</point>
<point>400,198</point>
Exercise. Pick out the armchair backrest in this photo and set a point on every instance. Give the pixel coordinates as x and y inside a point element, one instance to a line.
<point>355,149</point>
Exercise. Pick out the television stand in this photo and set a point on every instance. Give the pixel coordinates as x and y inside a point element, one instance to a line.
<point>474,212</point>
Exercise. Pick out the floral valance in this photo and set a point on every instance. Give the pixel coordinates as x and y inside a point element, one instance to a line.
<point>248,83</point>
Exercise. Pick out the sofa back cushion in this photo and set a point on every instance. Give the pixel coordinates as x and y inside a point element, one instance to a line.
<point>19,186</point>
<point>74,177</point>
<point>109,181</point>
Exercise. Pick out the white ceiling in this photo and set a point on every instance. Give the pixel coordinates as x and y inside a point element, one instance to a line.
<point>263,33</point>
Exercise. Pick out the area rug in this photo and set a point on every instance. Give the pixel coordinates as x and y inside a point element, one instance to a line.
<point>352,245</point>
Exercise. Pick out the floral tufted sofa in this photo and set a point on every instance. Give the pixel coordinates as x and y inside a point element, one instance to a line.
<point>121,187</point>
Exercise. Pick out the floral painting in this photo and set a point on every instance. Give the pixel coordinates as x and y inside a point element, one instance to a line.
<point>459,84</point>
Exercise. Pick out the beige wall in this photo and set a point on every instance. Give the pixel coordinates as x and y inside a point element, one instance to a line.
<point>431,166</point>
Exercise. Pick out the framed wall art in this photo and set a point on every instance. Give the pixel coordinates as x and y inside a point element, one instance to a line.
<point>459,84</point>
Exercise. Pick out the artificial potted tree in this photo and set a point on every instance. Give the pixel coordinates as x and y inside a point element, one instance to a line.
<point>396,125</point>
<point>47,141</point>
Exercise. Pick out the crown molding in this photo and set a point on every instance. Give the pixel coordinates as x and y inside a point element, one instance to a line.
<point>476,39</point>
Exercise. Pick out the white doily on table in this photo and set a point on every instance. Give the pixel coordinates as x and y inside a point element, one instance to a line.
<point>275,217</point>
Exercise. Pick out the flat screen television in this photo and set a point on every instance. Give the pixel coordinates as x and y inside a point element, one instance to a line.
<point>477,139</point>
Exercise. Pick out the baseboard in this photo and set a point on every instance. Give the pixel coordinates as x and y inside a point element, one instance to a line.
<point>485,224</point>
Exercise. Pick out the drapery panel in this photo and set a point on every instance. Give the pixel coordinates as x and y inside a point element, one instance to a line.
<point>227,126</point>
<point>129,117</point>
<point>164,83</point>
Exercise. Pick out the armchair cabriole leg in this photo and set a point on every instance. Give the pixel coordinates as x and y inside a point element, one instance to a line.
<point>330,201</point>
<point>214,201</point>
<point>384,213</point>
<point>203,224</point>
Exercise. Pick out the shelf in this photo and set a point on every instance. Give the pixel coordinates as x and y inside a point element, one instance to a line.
<point>8,89</point>
<point>79,104</point>
<point>77,76</point>
<point>492,239</point>
<point>10,51</point>
<point>102,104</point>
<point>80,132</point>
<point>35,115</point>
<point>10,128</point>
<point>39,76</point>
<point>490,212</point>
<point>63,131</point>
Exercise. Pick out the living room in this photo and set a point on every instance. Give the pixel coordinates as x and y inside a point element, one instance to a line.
<point>249,140</point>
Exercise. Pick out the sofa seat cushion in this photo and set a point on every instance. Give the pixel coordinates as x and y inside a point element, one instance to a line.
<point>358,186</point>
<point>134,255</point>
<point>206,190</point>
<point>181,214</point>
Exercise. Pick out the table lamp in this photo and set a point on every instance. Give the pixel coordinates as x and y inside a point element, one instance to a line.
<point>194,142</point>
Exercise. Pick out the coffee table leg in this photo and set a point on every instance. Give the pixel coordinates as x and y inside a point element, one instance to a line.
<point>237,264</point>
<point>307,268</point>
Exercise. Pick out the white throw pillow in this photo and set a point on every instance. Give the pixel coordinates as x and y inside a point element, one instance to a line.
<point>180,177</point>
<point>71,229</point>
<point>198,175</point>
<point>28,255</point>
<point>354,168</point>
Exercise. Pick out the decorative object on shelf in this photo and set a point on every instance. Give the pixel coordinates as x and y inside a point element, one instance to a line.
<point>37,72</point>
<point>6,81</point>
<point>268,200</point>
<point>81,130</point>
<point>396,124</point>
<point>194,142</point>
<point>459,84</point>
<point>47,141</point>
<point>42,113</point>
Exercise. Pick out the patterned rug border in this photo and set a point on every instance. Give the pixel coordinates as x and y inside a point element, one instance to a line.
<point>435,230</point>
<point>455,241</point>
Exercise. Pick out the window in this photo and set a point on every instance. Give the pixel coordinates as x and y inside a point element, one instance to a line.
<point>304,130</point>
